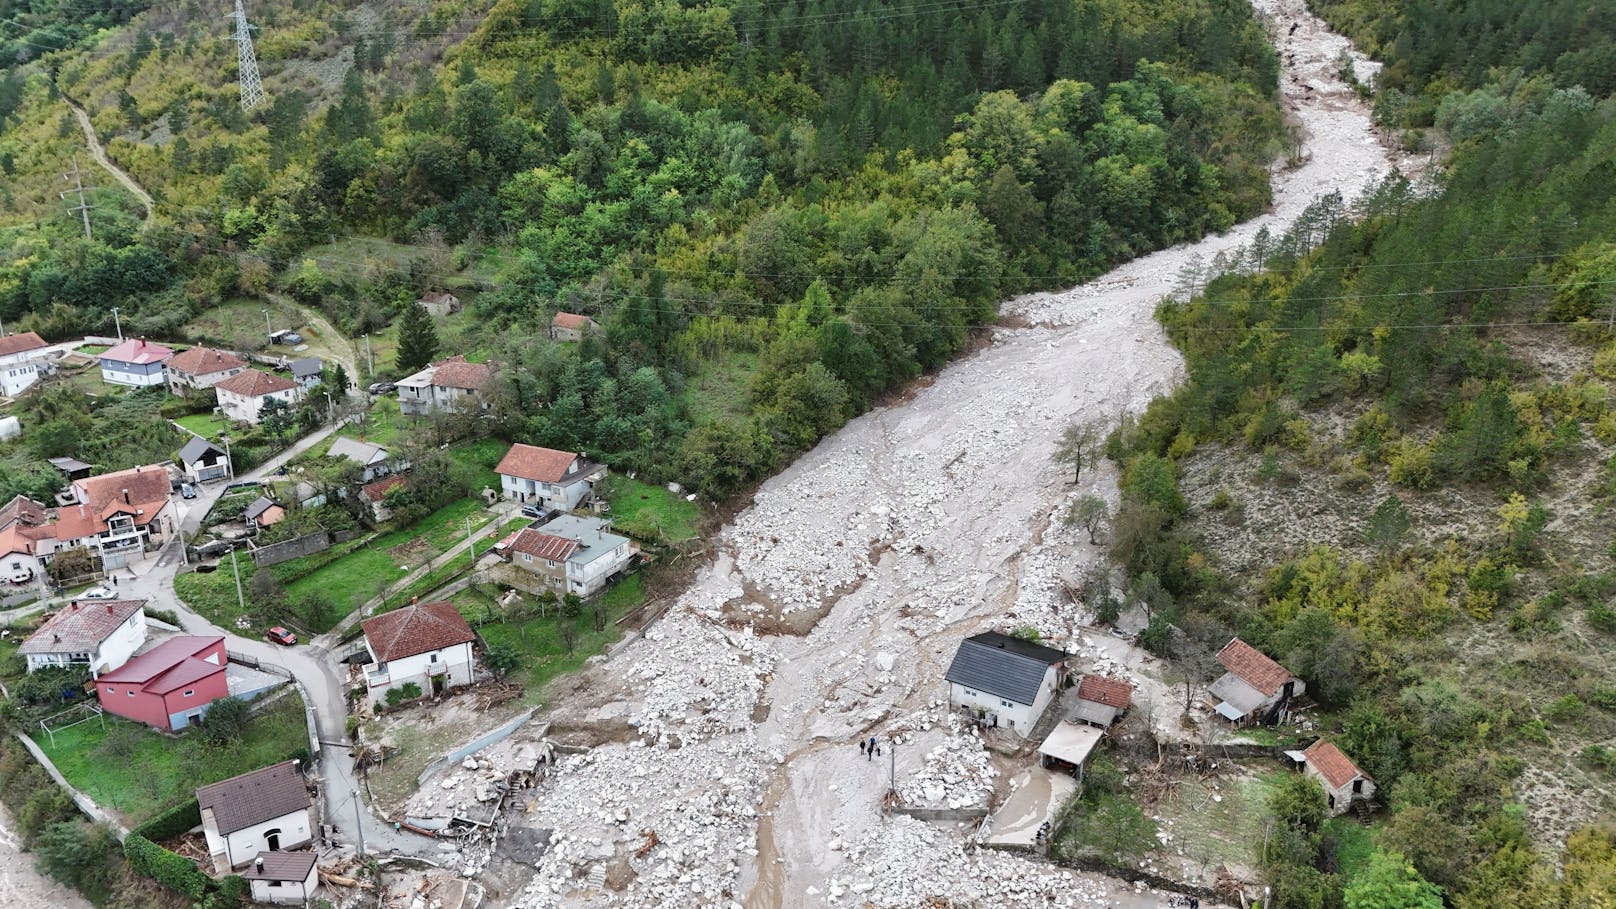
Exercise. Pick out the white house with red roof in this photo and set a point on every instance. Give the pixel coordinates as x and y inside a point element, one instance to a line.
<point>27,540</point>
<point>428,644</point>
<point>21,358</point>
<point>1255,688</point>
<point>451,384</point>
<point>100,634</point>
<point>201,367</point>
<point>135,362</point>
<point>558,479</point>
<point>169,687</point>
<point>117,513</point>
<point>242,396</point>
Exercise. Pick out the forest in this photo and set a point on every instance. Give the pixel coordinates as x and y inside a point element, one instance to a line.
<point>1432,365</point>
<point>812,203</point>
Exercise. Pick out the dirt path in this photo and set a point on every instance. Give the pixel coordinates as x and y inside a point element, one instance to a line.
<point>100,155</point>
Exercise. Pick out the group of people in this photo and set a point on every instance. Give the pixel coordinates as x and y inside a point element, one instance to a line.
<point>869,748</point>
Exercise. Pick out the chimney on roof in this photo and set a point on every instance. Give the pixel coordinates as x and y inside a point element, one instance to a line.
<point>56,638</point>
<point>258,864</point>
<point>74,605</point>
<point>415,601</point>
<point>109,609</point>
<point>126,496</point>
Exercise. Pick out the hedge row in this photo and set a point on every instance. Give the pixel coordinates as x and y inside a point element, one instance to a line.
<point>167,868</point>
<point>171,821</point>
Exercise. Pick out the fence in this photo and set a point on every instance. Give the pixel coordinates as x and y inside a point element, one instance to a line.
<point>460,754</point>
<point>287,550</point>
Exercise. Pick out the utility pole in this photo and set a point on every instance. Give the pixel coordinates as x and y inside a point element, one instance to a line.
<point>267,330</point>
<point>359,822</point>
<point>236,567</point>
<point>229,465</point>
<point>117,323</point>
<point>369,359</point>
<point>470,546</point>
<point>252,90</point>
<point>892,780</point>
<point>78,187</point>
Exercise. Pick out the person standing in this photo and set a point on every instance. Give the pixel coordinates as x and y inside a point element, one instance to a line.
<point>862,746</point>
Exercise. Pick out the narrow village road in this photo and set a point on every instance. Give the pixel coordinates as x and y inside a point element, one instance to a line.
<point>118,173</point>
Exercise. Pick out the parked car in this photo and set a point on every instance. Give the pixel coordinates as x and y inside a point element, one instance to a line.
<point>285,337</point>
<point>381,388</point>
<point>187,491</point>
<point>99,593</point>
<point>282,636</point>
<point>22,576</point>
<point>535,510</point>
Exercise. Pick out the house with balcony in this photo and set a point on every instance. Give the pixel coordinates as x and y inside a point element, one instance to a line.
<point>117,514</point>
<point>169,687</point>
<point>100,634</point>
<point>267,810</point>
<point>428,644</point>
<point>22,361</point>
<point>242,397</point>
<point>446,385</point>
<point>571,554</point>
<point>557,479</point>
<point>137,363</point>
<point>201,367</point>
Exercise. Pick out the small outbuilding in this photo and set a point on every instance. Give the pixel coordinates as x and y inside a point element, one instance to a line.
<point>1341,779</point>
<point>169,687</point>
<point>263,512</point>
<point>1100,701</point>
<point>439,303</point>
<point>307,371</point>
<point>1068,746</point>
<point>570,326</point>
<point>1255,689</point>
<point>283,878</point>
<point>1005,680</point>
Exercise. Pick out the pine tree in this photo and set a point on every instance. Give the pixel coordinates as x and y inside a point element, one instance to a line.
<point>417,339</point>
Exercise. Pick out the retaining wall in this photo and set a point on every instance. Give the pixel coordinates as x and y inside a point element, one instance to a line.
<point>470,748</point>
<point>287,550</point>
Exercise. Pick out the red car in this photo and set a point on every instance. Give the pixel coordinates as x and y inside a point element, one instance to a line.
<point>281,635</point>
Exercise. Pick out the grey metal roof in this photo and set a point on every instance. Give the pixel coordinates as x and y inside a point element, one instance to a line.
<point>364,452</point>
<point>1003,666</point>
<point>593,536</point>
<point>196,448</point>
<point>258,507</point>
<point>307,366</point>
<point>1230,689</point>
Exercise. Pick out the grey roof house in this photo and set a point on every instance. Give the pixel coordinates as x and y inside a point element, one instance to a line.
<point>306,371</point>
<point>262,811</point>
<point>203,461</point>
<point>375,460</point>
<point>1005,681</point>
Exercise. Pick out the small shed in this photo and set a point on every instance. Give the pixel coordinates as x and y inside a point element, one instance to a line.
<point>439,303</point>
<point>283,878</point>
<point>72,468</point>
<point>263,512</point>
<point>1100,701</point>
<point>203,461</point>
<point>570,326</point>
<point>1342,781</point>
<point>1068,747</point>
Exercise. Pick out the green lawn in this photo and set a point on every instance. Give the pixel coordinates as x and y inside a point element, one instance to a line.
<point>480,457</point>
<point>1229,829</point>
<point>213,595</point>
<point>206,425</point>
<point>650,512</point>
<point>1354,844</point>
<point>720,389</point>
<point>363,573</point>
<point>135,771</point>
<point>539,639</point>
<point>381,426</point>
<point>93,350</point>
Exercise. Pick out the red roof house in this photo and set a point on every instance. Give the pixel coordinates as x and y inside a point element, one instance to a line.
<point>559,479</point>
<point>1343,782</point>
<point>375,493</point>
<point>570,326</point>
<point>135,362</point>
<point>201,367</point>
<point>429,645</point>
<point>170,686</point>
<point>1101,700</point>
<point>1254,686</point>
<point>116,512</point>
<point>27,342</point>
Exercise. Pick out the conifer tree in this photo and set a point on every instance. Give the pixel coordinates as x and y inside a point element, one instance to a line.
<point>417,339</point>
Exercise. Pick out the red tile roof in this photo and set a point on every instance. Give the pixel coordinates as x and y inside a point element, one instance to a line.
<point>139,352</point>
<point>202,361</point>
<point>81,627</point>
<point>16,344</point>
<point>22,509</point>
<point>374,492</point>
<point>170,665</point>
<point>1101,690</point>
<point>1336,768</point>
<point>147,489</point>
<point>530,462</point>
<point>542,545</point>
<point>571,320</point>
<point>1253,667</point>
<point>252,798</point>
<point>416,629</point>
<point>455,372</point>
<point>254,383</point>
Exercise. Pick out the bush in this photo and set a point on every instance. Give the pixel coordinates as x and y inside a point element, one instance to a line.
<point>76,853</point>
<point>164,615</point>
<point>173,871</point>
<point>171,821</point>
<point>226,720</point>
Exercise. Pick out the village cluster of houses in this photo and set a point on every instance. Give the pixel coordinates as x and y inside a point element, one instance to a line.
<point>113,515</point>
<point>1009,683</point>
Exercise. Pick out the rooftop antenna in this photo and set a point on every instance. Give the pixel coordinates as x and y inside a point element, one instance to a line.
<point>252,90</point>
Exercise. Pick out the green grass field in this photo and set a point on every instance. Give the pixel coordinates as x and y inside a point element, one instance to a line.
<point>206,425</point>
<point>382,424</point>
<point>650,512</point>
<point>135,771</point>
<point>721,389</point>
<point>539,639</point>
<point>480,457</point>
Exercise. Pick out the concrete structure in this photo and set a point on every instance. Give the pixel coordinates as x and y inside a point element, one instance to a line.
<point>373,459</point>
<point>451,384</point>
<point>10,428</point>
<point>1100,701</point>
<point>22,358</point>
<point>439,303</point>
<point>1005,680</point>
<point>201,367</point>
<point>27,542</point>
<point>374,495</point>
<point>568,326</point>
<point>1068,746</point>
<point>1341,779</point>
<point>170,686</point>
<point>558,479</point>
<point>116,514</point>
<point>1255,689</point>
<point>429,645</point>
<point>100,634</point>
<point>572,554</point>
<point>267,810</point>
<point>202,461</point>
<point>283,878</point>
<point>306,371</point>
<point>242,397</point>
<point>135,363</point>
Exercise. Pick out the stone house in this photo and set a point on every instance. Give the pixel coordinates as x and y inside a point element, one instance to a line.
<point>1255,689</point>
<point>568,326</point>
<point>1342,781</point>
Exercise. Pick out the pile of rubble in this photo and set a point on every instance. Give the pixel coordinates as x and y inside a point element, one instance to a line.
<point>957,773</point>
<point>480,780</point>
<point>696,678</point>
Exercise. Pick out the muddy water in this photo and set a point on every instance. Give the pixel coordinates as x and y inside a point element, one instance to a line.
<point>20,884</point>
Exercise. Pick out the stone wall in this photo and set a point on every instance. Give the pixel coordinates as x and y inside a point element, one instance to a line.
<point>285,551</point>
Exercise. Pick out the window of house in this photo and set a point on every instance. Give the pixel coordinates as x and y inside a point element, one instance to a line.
<point>527,557</point>
<point>434,658</point>
<point>549,563</point>
<point>1004,703</point>
<point>131,692</point>
<point>190,691</point>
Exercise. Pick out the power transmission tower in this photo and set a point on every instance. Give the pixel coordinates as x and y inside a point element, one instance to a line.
<point>252,90</point>
<point>78,187</point>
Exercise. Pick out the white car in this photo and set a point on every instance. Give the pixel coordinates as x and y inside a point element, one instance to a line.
<point>21,576</point>
<point>99,593</point>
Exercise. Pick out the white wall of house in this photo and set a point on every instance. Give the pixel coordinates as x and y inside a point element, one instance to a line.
<point>559,496</point>
<point>248,409</point>
<point>234,850</point>
<point>115,372</point>
<point>519,488</point>
<point>585,580</point>
<point>115,651</point>
<point>1019,718</point>
<point>287,893</point>
<point>15,378</point>
<point>21,561</point>
<point>181,382</point>
<point>454,661</point>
